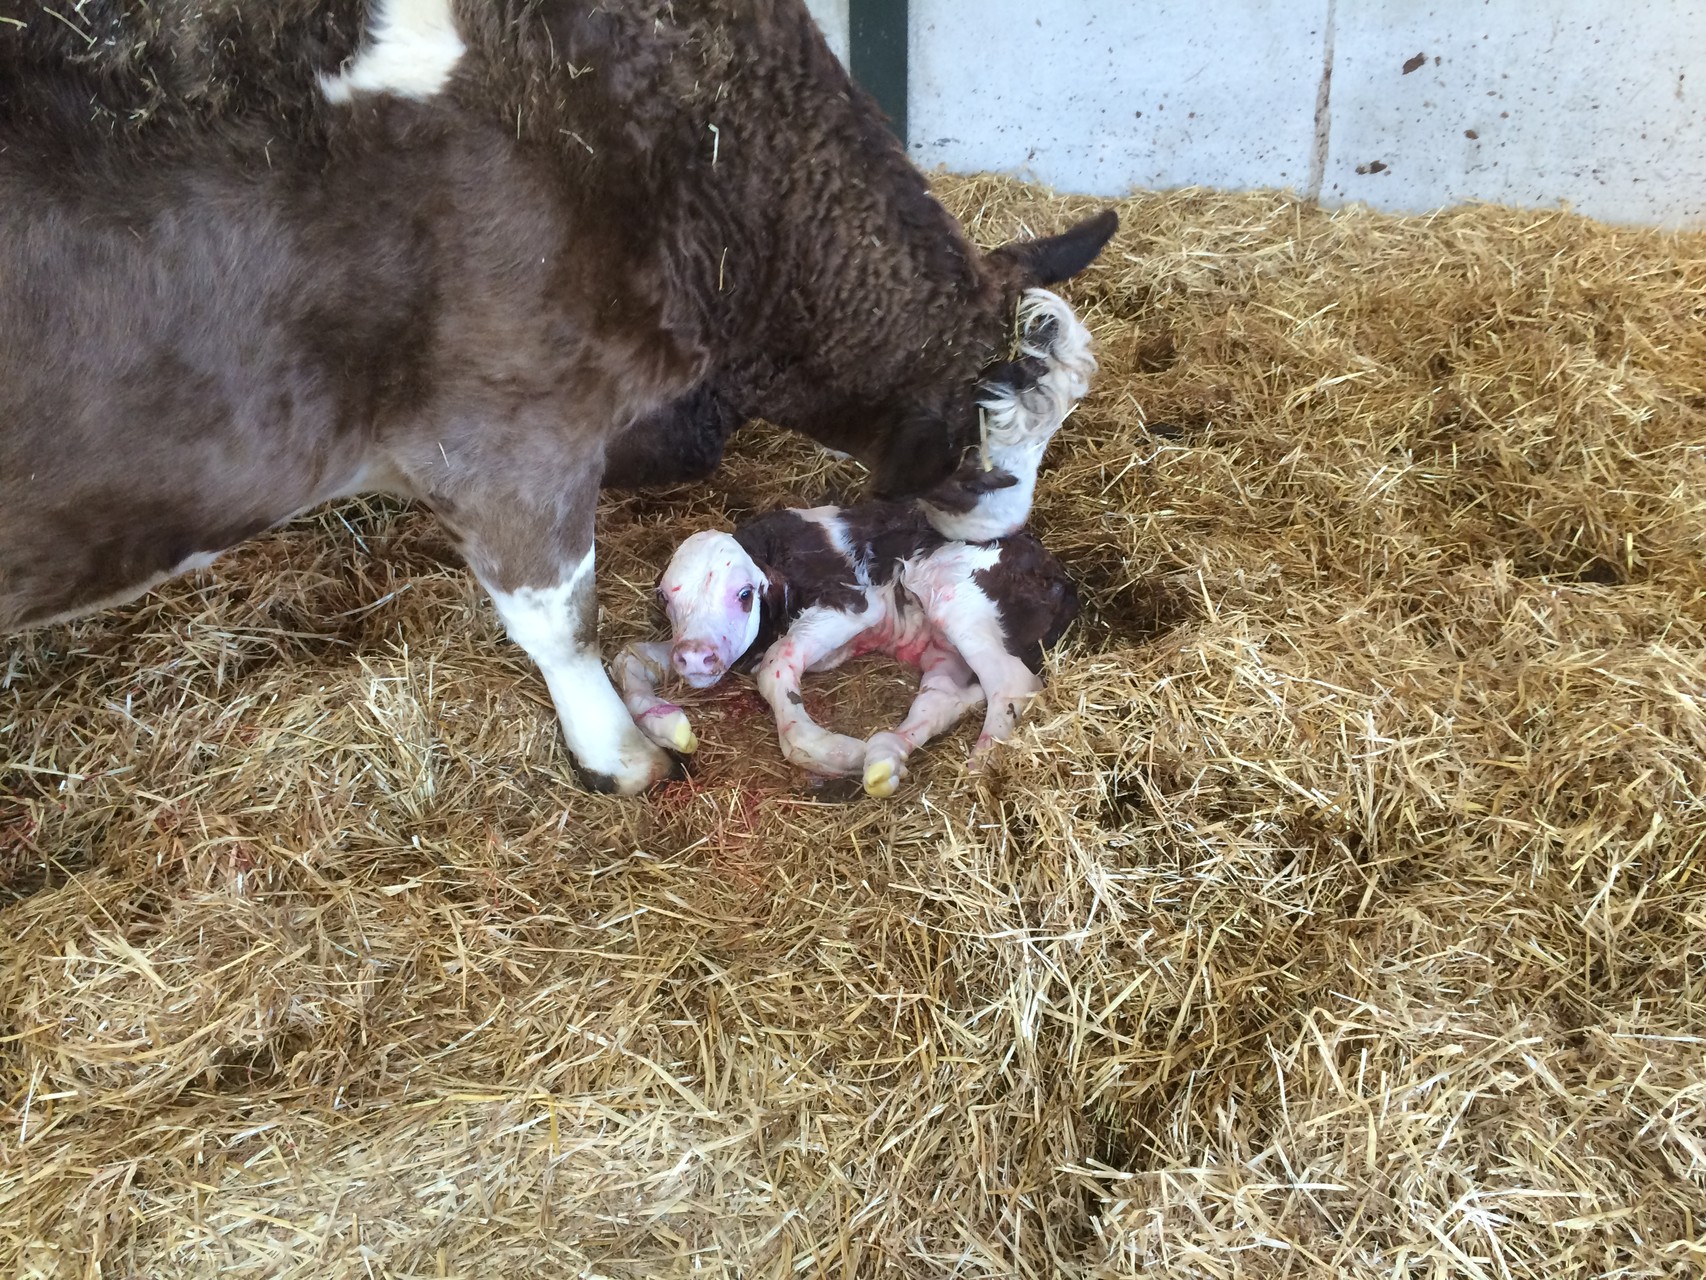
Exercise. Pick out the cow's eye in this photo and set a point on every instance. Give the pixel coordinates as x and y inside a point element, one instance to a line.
<point>745,598</point>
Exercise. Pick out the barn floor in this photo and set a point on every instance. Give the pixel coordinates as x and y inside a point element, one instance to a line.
<point>1342,912</point>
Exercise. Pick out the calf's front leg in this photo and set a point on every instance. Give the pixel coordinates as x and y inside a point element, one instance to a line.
<point>817,641</point>
<point>639,669</point>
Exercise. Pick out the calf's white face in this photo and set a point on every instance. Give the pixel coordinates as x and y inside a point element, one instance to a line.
<point>711,592</point>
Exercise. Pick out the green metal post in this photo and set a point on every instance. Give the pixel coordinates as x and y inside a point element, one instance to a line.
<point>878,32</point>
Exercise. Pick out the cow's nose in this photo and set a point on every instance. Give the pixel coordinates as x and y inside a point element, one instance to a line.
<point>695,659</point>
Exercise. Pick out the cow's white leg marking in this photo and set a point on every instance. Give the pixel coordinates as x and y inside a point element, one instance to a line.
<point>947,690</point>
<point>817,641</point>
<point>639,670</point>
<point>411,50</point>
<point>554,625</point>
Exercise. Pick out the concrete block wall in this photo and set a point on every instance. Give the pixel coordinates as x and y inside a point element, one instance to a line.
<point>831,15</point>
<point>1406,105</point>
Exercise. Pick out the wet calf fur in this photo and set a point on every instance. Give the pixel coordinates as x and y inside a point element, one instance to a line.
<point>805,590</point>
<point>486,254</point>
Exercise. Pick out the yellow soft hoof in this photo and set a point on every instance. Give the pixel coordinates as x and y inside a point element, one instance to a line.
<point>882,780</point>
<point>683,738</point>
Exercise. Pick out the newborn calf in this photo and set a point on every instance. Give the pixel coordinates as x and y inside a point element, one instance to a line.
<point>797,591</point>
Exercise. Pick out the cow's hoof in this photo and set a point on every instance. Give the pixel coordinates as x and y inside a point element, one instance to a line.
<point>882,779</point>
<point>639,768</point>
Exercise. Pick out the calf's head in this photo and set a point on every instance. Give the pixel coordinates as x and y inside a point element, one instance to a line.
<point>714,595</point>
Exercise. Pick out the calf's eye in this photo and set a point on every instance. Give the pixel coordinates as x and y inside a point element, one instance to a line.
<point>745,599</point>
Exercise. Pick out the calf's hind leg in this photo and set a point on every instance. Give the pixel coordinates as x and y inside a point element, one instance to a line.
<point>947,690</point>
<point>972,624</point>
<point>817,641</point>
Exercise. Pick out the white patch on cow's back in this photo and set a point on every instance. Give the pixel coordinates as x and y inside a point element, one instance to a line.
<point>411,49</point>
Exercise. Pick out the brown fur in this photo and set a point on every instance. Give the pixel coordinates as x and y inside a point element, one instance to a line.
<point>1031,590</point>
<point>1033,596</point>
<point>225,299</point>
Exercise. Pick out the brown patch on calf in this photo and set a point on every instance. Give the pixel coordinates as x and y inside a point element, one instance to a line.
<point>802,569</point>
<point>1033,596</point>
<point>805,569</point>
<point>884,535</point>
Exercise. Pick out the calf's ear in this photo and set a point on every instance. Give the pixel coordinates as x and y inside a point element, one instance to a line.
<point>773,603</point>
<point>772,614</point>
<point>1056,258</point>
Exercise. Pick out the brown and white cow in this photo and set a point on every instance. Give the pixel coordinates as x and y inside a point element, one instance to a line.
<point>488,254</point>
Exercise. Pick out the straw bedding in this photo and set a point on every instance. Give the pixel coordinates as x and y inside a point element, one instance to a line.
<point>1338,912</point>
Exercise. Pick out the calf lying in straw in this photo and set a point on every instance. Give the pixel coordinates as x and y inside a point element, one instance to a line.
<point>797,591</point>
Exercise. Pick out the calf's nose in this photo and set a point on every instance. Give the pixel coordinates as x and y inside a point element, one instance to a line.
<point>696,658</point>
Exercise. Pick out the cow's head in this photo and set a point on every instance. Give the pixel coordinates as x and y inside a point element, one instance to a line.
<point>967,433</point>
<point>1021,403</point>
<point>715,596</point>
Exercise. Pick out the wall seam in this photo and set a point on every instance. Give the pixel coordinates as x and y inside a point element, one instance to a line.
<point>1323,106</point>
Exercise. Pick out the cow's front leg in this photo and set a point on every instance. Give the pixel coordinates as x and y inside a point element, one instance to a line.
<point>947,690</point>
<point>817,641</point>
<point>639,669</point>
<point>557,624</point>
<point>534,556</point>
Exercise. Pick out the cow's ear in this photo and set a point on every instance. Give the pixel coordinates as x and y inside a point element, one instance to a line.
<point>1056,258</point>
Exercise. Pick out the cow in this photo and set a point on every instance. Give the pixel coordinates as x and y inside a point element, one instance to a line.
<point>490,255</point>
